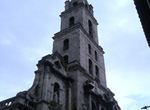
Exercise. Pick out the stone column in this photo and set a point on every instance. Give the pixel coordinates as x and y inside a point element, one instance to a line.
<point>90,102</point>
<point>99,107</point>
<point>43,103</point>
<point>69,96</point>
<point>45,86</point>
<point>49,88</point>
<point>51,91</point>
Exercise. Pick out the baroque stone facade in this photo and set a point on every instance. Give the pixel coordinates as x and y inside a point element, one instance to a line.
<point>73,77</point>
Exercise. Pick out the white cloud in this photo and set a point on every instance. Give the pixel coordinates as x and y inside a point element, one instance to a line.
<point>122,3</point>
<point>127,83</point>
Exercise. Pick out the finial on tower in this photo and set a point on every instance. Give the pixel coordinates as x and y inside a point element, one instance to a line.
<point>72,3</point>
<point>80,1</point>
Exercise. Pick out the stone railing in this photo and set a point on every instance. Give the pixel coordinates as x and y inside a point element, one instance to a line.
<point>18,100</point>
<point>7,103</point>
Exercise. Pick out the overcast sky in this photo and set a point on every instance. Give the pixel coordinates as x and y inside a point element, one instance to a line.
<point>26,31</point>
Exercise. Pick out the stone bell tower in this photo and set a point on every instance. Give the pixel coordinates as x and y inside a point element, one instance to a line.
<point>79,34</point>
<point>73,77</point>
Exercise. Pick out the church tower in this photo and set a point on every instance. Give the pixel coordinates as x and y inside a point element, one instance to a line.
<point>73,76</point>
<point>78,39</point>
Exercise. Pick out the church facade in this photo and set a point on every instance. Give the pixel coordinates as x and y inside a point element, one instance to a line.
<point>73,76</point>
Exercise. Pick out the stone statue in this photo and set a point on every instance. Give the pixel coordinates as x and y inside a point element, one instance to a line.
<point>55,97</point>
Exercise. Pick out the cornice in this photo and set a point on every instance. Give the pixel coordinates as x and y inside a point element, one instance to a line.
<point>76,26</point>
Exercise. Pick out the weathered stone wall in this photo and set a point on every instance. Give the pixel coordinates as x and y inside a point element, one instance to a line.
<point>81,15</point>
<point>75,12</point>
<point>85,56</point>
<point>73,51</point>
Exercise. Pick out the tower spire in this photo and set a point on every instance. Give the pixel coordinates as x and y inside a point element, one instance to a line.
<point>80,1</point>
<point>71,3</point>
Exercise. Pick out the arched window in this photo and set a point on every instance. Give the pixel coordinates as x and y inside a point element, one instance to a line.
<point>66,59</point>
<point>90,67</point>
<point>75,3</point>
<point>66,44</point>
<point>96,56</point>
<point>56,92</point>
<point>89,49</point>
<point>90,28</point>
<point>71,21</point>
<point>96,71</point>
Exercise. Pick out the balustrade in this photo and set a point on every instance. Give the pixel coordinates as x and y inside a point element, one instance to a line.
<point>17,100</point>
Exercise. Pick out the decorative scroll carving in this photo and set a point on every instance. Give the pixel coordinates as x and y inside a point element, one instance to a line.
<point>32,92</point>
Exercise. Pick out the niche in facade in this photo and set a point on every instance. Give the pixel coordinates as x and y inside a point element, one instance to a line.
<point>56,94</point>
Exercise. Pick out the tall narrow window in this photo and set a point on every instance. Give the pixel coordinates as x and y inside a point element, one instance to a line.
<point>90,28</point>
<point>89,49</point>
<point>66,59</point>
<point>96,56</point>
<point>66,44</point>
<point>71,21</point>
<point>90,67</point>
<point>96,71</point>
<point>56,93</point>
